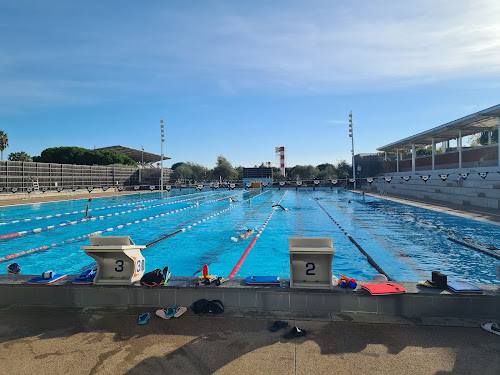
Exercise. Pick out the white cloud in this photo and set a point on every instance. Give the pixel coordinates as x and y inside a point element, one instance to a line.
<point>290,47</point>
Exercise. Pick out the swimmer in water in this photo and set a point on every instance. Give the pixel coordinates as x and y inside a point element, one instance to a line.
<point>244,236</point>
<point>231,199</point>
<point>280,206</point>
<point>139,206</point>
<point>87,211</point>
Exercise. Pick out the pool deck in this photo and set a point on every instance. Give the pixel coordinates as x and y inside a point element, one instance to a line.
<point>62,328</point>
<point>94,341</point>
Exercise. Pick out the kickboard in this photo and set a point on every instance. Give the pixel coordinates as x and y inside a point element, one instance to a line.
<point>39,280</point>
<point>262,280</point>
<point>383,289</point>
<point>464,287</point>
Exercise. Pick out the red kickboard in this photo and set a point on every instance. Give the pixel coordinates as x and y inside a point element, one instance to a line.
<point>383,289</point>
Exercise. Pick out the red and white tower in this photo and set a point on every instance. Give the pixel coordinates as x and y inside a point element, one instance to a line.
<point>280,158</point>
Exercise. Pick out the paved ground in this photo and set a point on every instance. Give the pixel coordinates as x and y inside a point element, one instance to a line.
<point>54,341</point>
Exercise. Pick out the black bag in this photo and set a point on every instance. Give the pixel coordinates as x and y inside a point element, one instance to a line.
<point>153,278</point>
<point>205,306</point>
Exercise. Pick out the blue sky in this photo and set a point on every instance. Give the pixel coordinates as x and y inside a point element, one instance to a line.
<point>240,78</point>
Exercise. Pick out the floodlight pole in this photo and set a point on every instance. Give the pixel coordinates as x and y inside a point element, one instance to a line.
<point>161,161</point>
<point>351,134</point>
<point>142,164</point>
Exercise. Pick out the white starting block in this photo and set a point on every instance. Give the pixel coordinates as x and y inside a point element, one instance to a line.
<point>311,262</point>
<point>119,260</point>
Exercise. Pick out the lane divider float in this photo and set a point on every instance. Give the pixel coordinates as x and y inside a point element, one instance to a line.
<point>200,221</point>
<point>92,209</point>
<point>250,247</point>
<point>66,223</point>
<point>491,252</point>
<point>367,256</point>
<point>81,238</point>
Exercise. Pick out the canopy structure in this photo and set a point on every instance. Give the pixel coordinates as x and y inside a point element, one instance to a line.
<point>136,155</point>
<point>485,120</point>
<point>481,121</point>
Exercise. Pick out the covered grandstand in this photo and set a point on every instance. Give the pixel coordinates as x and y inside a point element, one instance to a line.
<point>486,120</point>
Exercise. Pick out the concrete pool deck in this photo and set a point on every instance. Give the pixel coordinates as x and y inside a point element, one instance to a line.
<point>47,340</point>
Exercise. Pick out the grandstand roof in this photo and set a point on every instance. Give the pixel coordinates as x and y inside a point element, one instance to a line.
<point>484,120</point>
<point>135,154</point>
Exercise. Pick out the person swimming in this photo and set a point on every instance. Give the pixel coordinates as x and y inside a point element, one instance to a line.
<point>232,200</point>
<point>243,236</point>
<point>280,206</point>
<point>87,211</point>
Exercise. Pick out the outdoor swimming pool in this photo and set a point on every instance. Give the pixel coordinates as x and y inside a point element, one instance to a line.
<point>407,242</point>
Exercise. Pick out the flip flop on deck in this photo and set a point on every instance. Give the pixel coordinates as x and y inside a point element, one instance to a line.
<point>144,318</point>
<point>491,327</point>
<point>166,314</point>
<point>85,278</point>
<point>180,310</point>
<point>295,332</point>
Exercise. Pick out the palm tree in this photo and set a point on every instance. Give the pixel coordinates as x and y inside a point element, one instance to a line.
<point>4,141</point>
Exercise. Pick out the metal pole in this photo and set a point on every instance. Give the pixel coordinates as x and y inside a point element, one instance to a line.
<point>351,131</point>
<point>161,161</point>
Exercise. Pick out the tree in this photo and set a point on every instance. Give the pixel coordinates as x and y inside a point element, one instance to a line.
<point>19,156</point>
<point>304,172</point>
<point>174,166</point>
<point>82,156</point>
<point>277,175</point>
<point>483,139</point>
<point>224,169</point>
<point>328,172</point>
<point>4,141</point>
<point>199,172</point>
<point>344,169</point>
<point>183,172</point>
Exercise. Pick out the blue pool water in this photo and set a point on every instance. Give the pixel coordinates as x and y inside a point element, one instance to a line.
<point>407,242</point>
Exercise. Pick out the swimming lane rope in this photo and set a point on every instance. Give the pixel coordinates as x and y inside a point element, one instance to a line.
<point>367,256</point>
<point>491,253</point>
<point>200,221</point>
<point>437,226</point>
<point>249,248</point>
<point>44,229</point>
<point>81,238</point>
<point>90,210</point>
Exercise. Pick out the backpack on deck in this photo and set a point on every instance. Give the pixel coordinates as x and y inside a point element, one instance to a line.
<point>153,278</point>
<point>205,306</point>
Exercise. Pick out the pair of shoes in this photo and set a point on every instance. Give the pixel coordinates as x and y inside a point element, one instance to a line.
<point>295,332</point>
<point>166,314</point>
<point>143,319</point>
<point>171,312</point>
<point>277,325</point>
<point>491,327</point>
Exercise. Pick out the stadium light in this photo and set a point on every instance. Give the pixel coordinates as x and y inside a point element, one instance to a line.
<point>351,135</point>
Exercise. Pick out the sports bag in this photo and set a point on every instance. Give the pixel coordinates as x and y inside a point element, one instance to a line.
<point>205,306</point>
<point>153,278</point>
